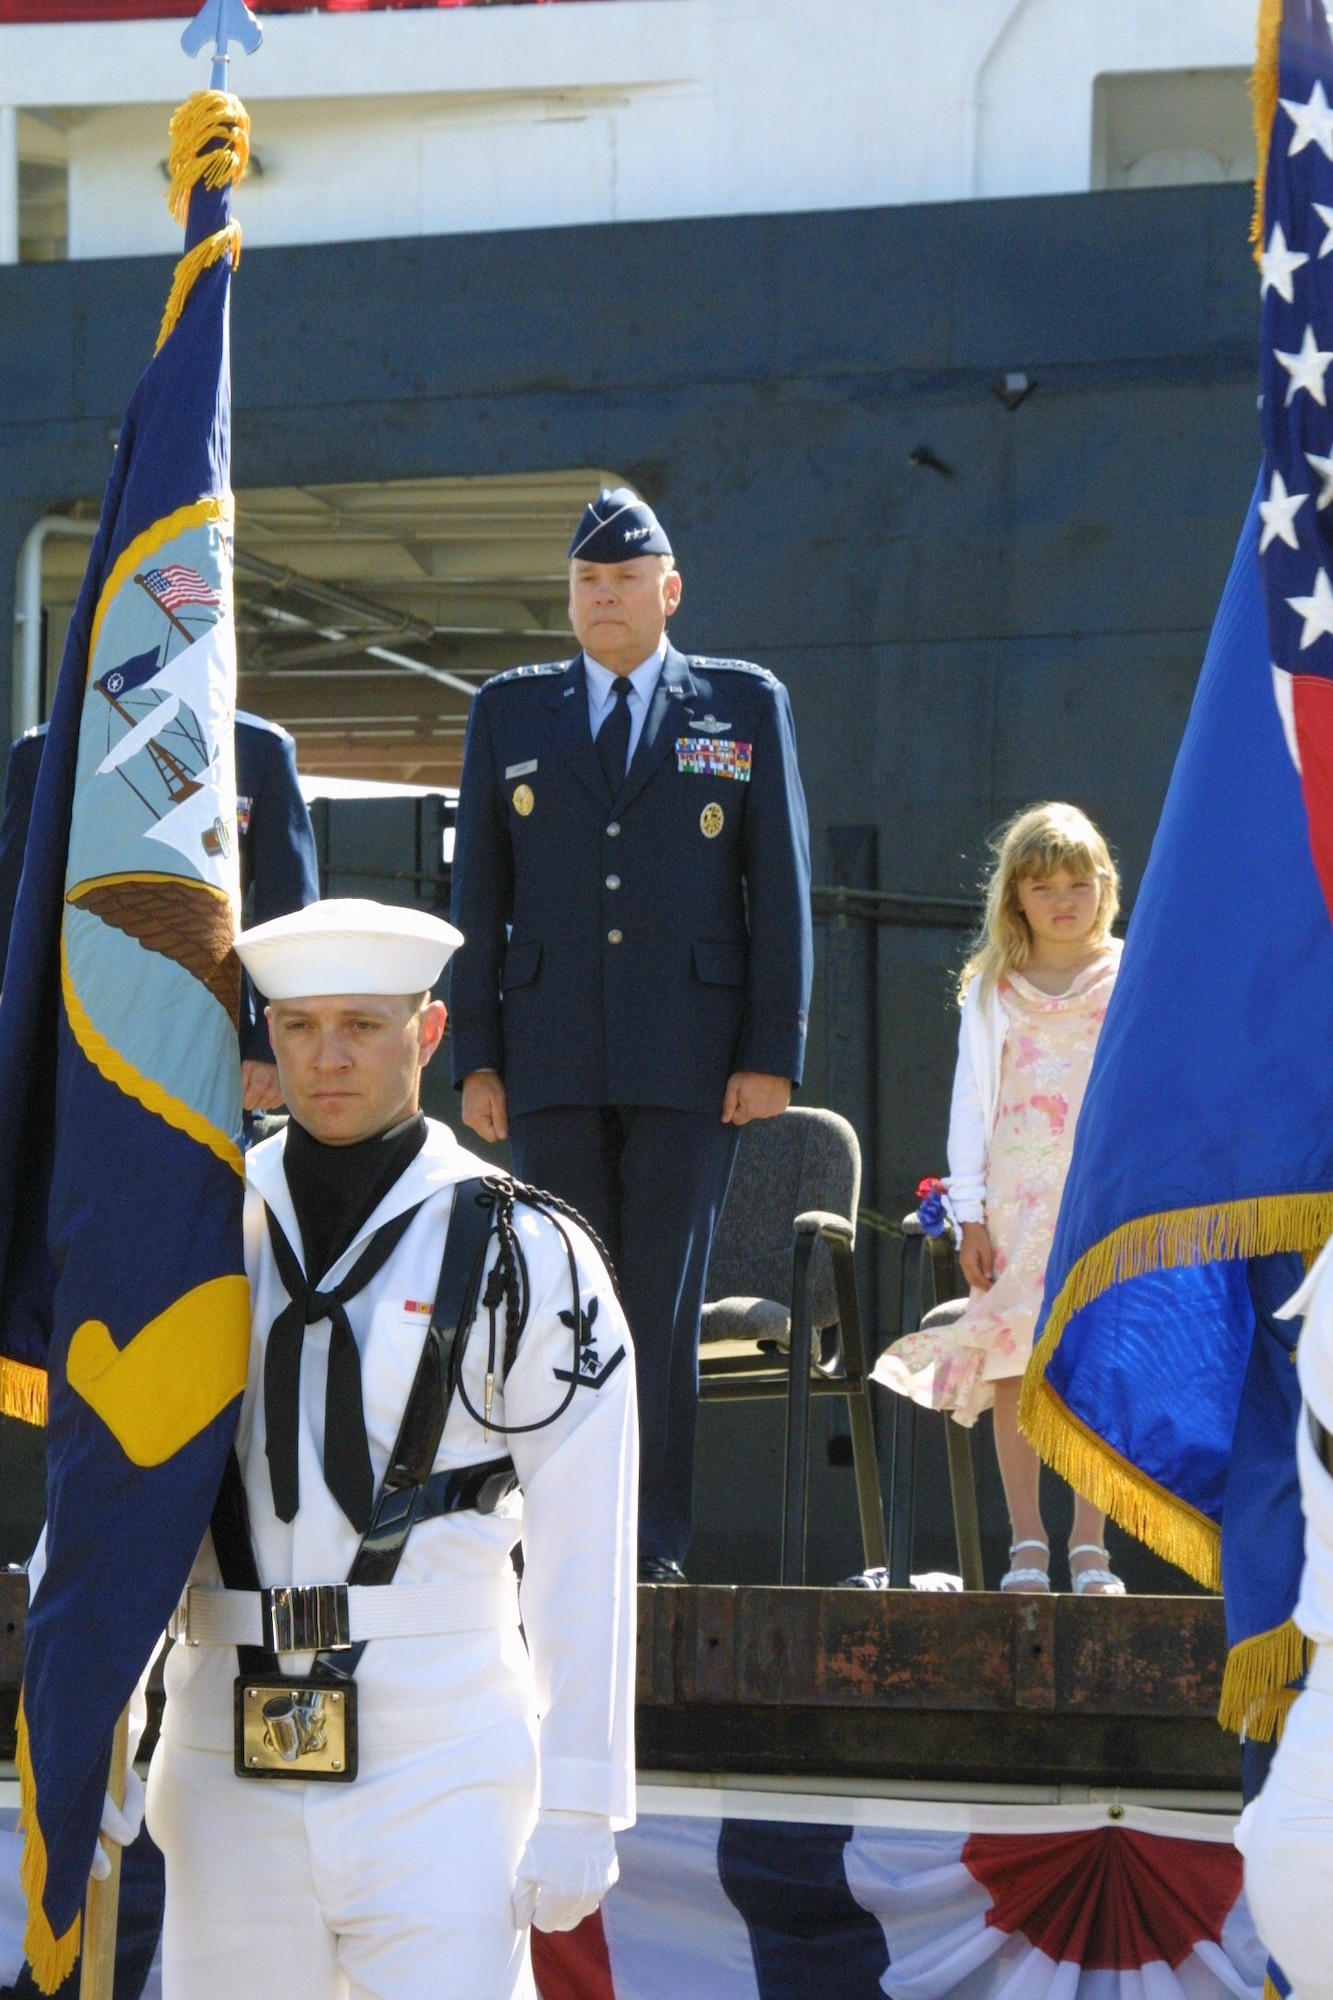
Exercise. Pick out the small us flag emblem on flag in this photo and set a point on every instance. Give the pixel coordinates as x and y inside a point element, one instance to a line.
<point>177,586</point>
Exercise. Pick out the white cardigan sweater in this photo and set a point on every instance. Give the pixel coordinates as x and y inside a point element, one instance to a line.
<point>976,1096</point>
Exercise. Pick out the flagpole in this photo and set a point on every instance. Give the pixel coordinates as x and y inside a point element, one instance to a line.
<point>97,1976</point>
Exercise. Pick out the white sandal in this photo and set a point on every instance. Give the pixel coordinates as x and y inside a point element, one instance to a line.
<point>1030,1578</point>
<point>1094,1582</point>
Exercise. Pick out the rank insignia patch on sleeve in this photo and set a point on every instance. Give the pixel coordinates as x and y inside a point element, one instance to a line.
<point>707,757</point>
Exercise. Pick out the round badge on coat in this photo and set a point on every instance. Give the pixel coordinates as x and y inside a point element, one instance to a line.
<point>711,821</point>
<point>523,800</point>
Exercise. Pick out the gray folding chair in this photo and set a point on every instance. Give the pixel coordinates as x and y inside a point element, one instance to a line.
<point>782,1316</point>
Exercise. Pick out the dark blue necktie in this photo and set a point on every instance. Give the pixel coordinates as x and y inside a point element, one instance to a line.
<point>613,736</point>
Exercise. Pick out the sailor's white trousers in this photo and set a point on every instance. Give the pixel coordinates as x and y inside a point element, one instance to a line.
<point>1287,1839</point>
<point>395,1887</point>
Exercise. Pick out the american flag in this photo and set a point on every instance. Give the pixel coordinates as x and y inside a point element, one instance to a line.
<point>1296,509</point>
<point>176,586</point>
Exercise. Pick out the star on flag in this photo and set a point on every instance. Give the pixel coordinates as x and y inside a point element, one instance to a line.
<point>1324,468</point>
<point>1316,610</point>
<point>1325,214</point>
<point>1305,368</point>
<point>1313,122</point>
<point>1278,264</point>
<point>1278,514</point>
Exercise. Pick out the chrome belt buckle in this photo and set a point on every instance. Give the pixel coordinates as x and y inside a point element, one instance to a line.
<point>296,1729</point>
<point>305,1618</point>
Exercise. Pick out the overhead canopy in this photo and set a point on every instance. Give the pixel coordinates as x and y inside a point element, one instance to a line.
<point>447,580</point>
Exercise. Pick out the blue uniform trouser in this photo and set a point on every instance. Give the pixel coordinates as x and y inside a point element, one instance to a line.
<point>652,1183</point>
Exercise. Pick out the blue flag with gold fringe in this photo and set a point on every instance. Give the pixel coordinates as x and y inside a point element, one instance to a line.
<point>124,1310</point>
<point>1202,1175</point>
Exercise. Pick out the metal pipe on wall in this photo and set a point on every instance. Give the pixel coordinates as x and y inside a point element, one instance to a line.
<point>9,184</point>
<point>26,703</point>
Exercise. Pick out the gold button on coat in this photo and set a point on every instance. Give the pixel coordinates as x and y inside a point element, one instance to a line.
<point>615,937</point>
<point>711,821</point>
<point>523,800</point>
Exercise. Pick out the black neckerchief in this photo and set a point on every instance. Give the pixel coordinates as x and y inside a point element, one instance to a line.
<point>336,1189</point>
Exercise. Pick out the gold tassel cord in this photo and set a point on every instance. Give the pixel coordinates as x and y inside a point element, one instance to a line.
<point>1263,96</point>
<point>22,1392</point>
<point>222,243</point>
<point>210,142</point>
<point>1256,1690</point>
<point>51,1957</point>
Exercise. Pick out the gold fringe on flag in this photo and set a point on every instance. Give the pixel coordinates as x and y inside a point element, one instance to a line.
<point>1168,1526</point>
<point>1174,1240</point>
<point>1256,1690</point>
<point>1263,96</point>
<point>1270,1991</point>
<point>210,142</point>
<point>22,1392</point>
<point>51,1957</point>
<point>222,243</point>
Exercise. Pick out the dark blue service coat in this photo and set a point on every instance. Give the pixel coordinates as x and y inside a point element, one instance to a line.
<point>634,949</point>
<point>279,866</point>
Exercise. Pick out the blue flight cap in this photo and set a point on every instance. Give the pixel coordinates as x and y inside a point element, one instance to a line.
<point>616,525</point>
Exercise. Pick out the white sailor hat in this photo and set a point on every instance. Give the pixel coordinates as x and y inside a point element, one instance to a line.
<point>347,945</point>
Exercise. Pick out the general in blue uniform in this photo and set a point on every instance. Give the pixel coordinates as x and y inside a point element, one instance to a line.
<point>279,867</point>
<point>631,878</point>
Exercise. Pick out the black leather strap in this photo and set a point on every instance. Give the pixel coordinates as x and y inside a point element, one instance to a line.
<point>408,1493</point>
<point>482,1487</point>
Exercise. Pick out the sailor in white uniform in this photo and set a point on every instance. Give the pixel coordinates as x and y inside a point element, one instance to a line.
<point>492,1763</point>
<point>1286,1835</point>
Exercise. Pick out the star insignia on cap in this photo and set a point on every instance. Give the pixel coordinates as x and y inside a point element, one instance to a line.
<point>1313,122</point>
<point>1316,610</point>
<point>1278,514</point>
<point>1278,264</point>
<point>1305,368</point>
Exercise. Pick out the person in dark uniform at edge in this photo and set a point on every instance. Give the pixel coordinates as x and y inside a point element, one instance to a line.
<point>279,866</point>
<point>632,875</point>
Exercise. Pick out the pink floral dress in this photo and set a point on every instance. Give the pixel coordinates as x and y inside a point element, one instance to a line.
<point>1043,1075</point>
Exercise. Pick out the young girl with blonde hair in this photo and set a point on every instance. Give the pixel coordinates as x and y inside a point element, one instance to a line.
<point>1033,998</point>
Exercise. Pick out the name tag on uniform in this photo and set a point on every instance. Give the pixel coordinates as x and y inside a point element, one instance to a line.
<point>708,757</point>
<point>520,770</point>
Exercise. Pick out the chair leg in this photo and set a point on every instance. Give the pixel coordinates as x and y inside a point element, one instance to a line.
<point>798,1416</point>
<point>903,1504</point>
<point>963,1491</point>
<point>869,1497</point>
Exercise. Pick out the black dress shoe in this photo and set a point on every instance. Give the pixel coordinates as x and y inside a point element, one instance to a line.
<point>660,1569</point>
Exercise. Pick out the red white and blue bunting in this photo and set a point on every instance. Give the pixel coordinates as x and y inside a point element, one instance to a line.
<point>917,1901</point>
<point>855,1898</point>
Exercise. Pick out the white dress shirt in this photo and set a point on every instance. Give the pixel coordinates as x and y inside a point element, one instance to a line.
<point>601,690</point>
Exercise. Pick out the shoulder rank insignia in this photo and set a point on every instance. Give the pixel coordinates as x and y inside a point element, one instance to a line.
<point>702,661</point>
<point>528,673</point>
<point>591,1374</point>
<point>706,757</point>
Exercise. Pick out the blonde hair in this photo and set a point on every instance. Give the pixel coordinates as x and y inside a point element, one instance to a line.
<point>1033,846</point>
